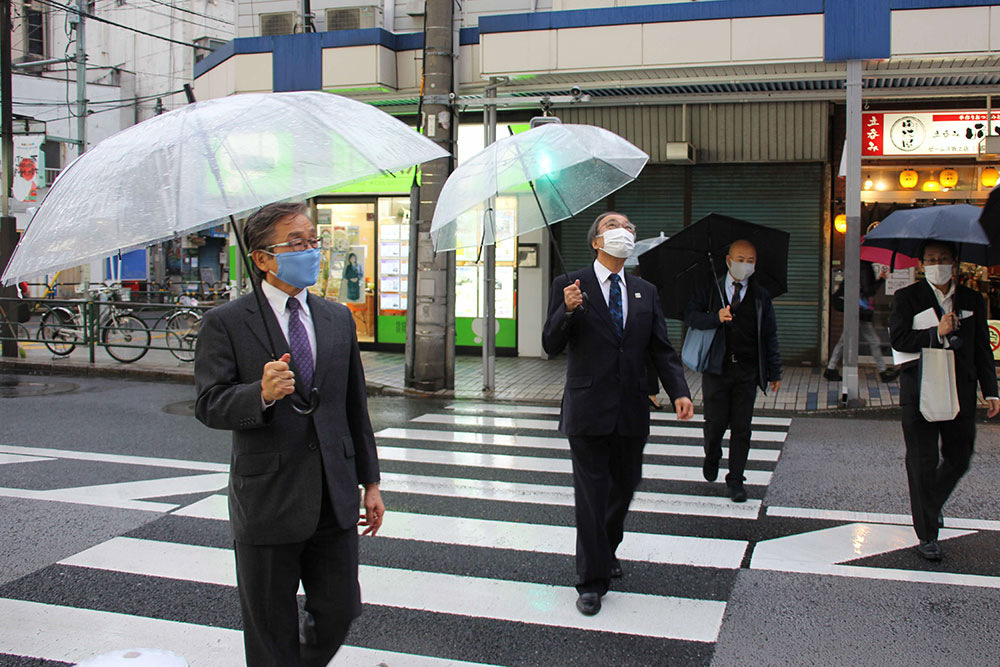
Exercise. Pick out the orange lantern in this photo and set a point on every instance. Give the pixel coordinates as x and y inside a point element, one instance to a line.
<point>989,177</point>
<point>949,178</point>
<point>931,185</point>
<point>840,223</point>
<point>908,178</point>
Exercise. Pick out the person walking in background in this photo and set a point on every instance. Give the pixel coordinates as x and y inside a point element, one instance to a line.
<point>605,410</point>
<point>870,286</point>
<point>295,471</point>
<point>937,312</point>
<point>744,357</point>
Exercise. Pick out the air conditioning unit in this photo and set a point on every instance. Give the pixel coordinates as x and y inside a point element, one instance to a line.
<point>680,152</point>
<point>416,7</point>
<point>354,18</point>
<point>280,23</point>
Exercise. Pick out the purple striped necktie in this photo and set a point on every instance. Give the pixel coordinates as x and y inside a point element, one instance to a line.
<point>298,342</point>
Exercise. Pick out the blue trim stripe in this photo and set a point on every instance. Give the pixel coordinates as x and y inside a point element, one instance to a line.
<point>233,48</point>
<point>939,4</point>
<point>856,30</point>
<point>297,62</point>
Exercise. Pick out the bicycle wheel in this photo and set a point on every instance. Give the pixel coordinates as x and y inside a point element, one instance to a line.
<point>182,333</point>
<point>126,338</point>
<point>58,330</point>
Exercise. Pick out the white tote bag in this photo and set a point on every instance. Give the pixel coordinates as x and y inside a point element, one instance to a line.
<point>938,388</point>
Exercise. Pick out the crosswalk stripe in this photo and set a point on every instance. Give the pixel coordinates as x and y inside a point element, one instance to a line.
<point>539,464</point>
<point>511,409</point>
<point>480,421</point>
<point>73,634</point>
<point>149,461</point>
<point>540,494</point>
<point>541,604</point>
<point>561,443</point>
<point>536,538</point>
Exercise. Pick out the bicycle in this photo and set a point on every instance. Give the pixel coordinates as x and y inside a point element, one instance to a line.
<point>182,327</point>
<point>125,337</point>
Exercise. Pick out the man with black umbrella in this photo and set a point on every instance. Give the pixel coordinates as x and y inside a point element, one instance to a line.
<point>742,356</point>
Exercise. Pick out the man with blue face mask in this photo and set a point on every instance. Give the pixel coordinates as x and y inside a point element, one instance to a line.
<point>604,413</point>
<point>743,356</point>
<point>933,471</point>
<point>295,471</point>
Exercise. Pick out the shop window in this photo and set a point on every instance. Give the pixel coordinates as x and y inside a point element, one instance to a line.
<point>393,269</point>
<point>347,271</point>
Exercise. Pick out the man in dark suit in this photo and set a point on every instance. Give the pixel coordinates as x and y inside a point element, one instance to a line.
<point>604,407</point>
<point>961,316</point>
<point>302,444</point>
<point>743,356</point>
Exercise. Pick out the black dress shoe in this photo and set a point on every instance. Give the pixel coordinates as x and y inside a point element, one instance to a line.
<point>888,375</point>
<point>832,374</point>
<point>710,468</point>
<point>588,603</point>
<point>738,494</point>
<point>616,569</point>
<point>940,520</point>
<point>929,549</point>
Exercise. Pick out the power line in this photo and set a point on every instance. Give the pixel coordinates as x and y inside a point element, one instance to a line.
<point>188,11</point>
<point>151,10</point>
<point>67,8</point>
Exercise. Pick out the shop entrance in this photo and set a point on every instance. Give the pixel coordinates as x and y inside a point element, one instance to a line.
<point>347,270</point>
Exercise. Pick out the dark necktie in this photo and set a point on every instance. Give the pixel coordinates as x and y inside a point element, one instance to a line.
<point>615,304</point>
<point>298,342</point>
<point>735,303</point>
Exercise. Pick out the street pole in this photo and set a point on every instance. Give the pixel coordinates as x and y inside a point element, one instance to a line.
<point>81,78</point>
<point>852,239</point>
<point>432,327</point>
<point>8,224</point>
<point>490,266</point>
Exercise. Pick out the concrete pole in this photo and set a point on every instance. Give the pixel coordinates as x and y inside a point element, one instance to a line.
<point>490,268</point>
<point>81,79</point>
<point>8,231</point>
<point>852,240</point>
<point>432,327</point>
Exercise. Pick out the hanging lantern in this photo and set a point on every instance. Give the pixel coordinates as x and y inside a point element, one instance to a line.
<point>908,178</point>
<point>989,177</point>
<point>930,185</point>
<point>949,178</point>
<point>840,223</point>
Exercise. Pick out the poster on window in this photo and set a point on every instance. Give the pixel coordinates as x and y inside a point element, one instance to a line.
<point>29,167</point>
<point>352,285</point>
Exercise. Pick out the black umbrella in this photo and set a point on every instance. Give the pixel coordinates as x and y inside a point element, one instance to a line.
<point>697,253</point>
<point>905,230</point>
<point>990,218</point>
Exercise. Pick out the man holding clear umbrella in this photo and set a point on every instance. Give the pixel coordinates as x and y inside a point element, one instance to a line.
<point>609,321</point>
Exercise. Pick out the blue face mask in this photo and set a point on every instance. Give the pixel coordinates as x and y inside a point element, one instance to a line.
<point>298,269</point>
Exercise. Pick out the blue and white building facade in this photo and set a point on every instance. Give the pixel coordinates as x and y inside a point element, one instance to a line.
<point>739,103</point>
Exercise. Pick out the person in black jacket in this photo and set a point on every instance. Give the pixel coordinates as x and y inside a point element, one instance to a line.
<point>604,407</point>
<point>870,285</point>
<point>961,316</point>
<point>743,356</point>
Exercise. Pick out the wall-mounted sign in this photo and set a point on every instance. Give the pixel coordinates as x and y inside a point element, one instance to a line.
<point>955,133</point>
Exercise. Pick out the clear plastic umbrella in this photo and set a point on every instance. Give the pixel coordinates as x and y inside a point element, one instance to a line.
<point>187,169</point>
<point>544,175</point>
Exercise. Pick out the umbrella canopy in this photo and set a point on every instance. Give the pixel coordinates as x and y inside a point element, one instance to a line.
<point>641,246</point>
<point>989,219</point>
<point>896,260</point>
<point>569,166</point>
<point>696,255</point>
<point>906,229</point>
<point>187,169</point>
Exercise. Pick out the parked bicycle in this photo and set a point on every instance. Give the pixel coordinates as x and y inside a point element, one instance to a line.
<point>123,335</point>
<point>182,327</point>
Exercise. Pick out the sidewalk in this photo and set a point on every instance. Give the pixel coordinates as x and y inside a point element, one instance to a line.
<point>518,379</point>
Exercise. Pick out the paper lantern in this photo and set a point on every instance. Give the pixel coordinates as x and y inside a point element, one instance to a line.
<point>989,177</point>
<point>908,178</point>
<point>931,185</point>
<point>949,178</point>
<point>840,223</point>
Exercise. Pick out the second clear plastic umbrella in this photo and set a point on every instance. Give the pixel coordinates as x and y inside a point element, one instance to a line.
<point>545,174</point>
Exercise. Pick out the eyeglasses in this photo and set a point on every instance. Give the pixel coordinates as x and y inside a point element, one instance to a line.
<point>296,244</point>
<point>615,224</point>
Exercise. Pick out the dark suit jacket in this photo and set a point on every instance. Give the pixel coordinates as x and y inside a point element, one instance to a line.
<point>606,390</point>
<point>275,484</point>
<point>973,360</point>
<point>702,312</point>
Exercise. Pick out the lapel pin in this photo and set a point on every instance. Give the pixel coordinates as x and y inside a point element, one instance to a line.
<point>638,295</point>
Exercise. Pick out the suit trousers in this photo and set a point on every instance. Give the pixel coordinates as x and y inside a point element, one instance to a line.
<point>268,579</point>
<point>728,403</point>
<point>606,472</point>
<point>932,477</point>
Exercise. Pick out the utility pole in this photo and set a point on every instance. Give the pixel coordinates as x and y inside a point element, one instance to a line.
<point>430,333</point>
<point>490,266</point>
<point>852,239</point>
<point>8,224</point>
<point>81,76</point>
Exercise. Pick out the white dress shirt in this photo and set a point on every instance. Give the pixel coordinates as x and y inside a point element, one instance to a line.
<point>603,279</point>
<point>946,301</point>
<point>731,287</point>
<point>278,301</point>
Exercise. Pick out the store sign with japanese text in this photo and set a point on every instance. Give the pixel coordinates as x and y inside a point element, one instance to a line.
<point>946,133</point>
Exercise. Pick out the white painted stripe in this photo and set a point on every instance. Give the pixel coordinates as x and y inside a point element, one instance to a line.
<point>560,443</point>
<point>876,517</point>
<point>68,634</point>
<point>519,409</point>
<point>536,538</point>
<point>18,458</point>
<point>628,613</point>
<point>539,464</point>
<point>179,464</point>
<point>476,421</point>
<point>643,501</point>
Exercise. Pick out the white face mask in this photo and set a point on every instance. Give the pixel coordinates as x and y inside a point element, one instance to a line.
<point>740,270</point>
<point>619,242</point>
<point>938,274</point>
